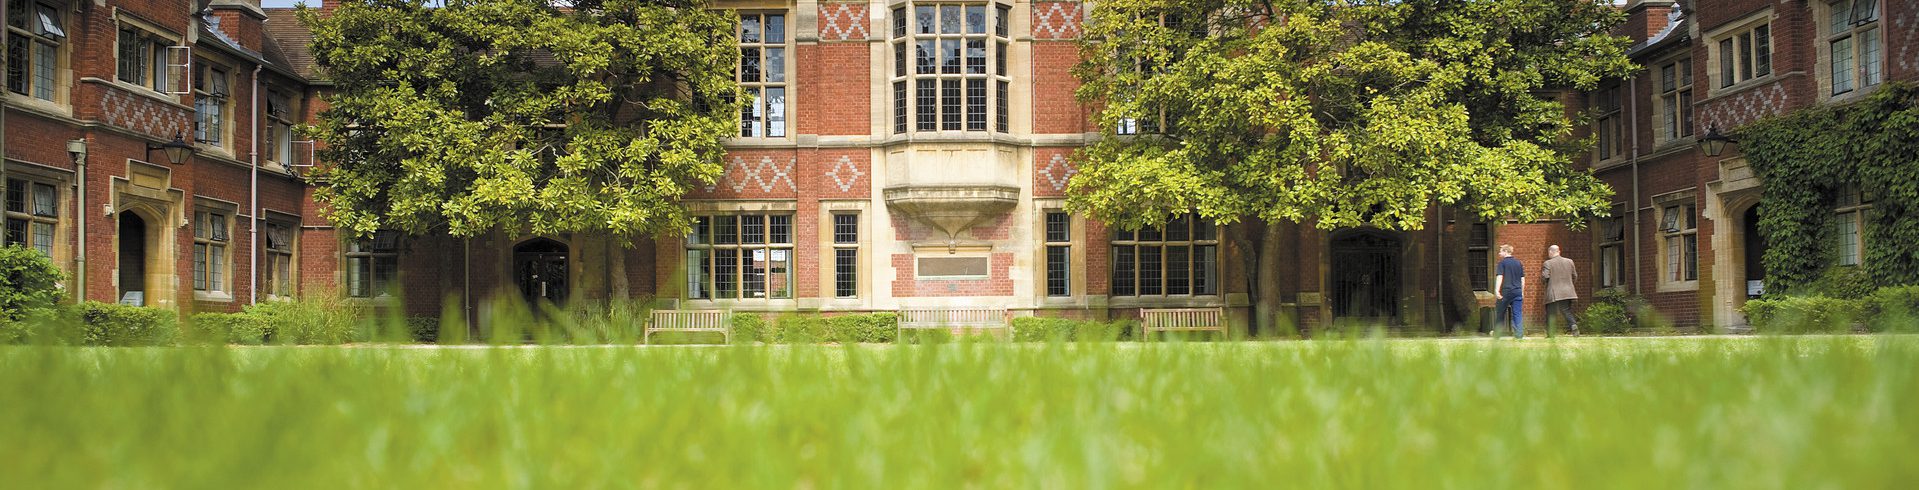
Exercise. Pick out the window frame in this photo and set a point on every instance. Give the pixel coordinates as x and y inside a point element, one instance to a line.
<point>1056,249</point>
<point>961,100</point>
<point>756,116</point>
<point>706,242</point>
<point>1135,242</point>
<point>1679,233</point>
<point>1479,255</point>
<point>280,271</point>
<point>212,89</point>
<point>213,242</point>
<point>154,67</point>
<point>33,32</point>
<point>846,254</point>
<point>1866,62</point>
<point>1609,124</point>
<point>1674,91</point>
<point>1743,53</point>
<point>29,214</point>
<point>1853,206</point>
<point>1611,236</point>
<point>374,254</point>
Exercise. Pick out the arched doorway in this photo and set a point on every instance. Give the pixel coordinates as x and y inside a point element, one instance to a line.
<point>1754,247</point>
<point>540,270</point>
<point>133,259</point>
<point>1365,277</point>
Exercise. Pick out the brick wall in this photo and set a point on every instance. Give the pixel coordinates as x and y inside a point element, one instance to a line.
<point>998,282</point>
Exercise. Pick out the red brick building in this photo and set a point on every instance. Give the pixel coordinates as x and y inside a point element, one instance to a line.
<point>900,154</point>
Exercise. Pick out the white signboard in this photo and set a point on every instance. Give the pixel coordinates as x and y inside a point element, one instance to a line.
<point>1755,288</point>
<point>135,298</point>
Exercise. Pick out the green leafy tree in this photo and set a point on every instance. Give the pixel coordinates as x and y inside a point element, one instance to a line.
<point>1339,113</point>
<point>478,115</point>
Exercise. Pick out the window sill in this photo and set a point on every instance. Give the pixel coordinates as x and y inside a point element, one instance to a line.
<point>754,304</point>
<point>1165,301</point>
<point>141,90</point>
<point>213,296</point>
<point>1843,98</point>
<point>1730,90</point>
<point>384,300</point>
<point>39,105</point>
<point>1677,286</point>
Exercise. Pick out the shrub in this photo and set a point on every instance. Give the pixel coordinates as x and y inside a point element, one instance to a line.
<point>423,329</point>
<point>1843,282</point>
<point>747,328</point>
<point>1803,314</point>
<point>28,281</point>
<point>1615,310</point>
<point>1033,329</point>
<point>125,325</point>
<point>873,328</point>
<point>800,329</point>
<point>321,319</point>
<point>232,328</point>
<point>1892,309</point>
<point>1605,318</point>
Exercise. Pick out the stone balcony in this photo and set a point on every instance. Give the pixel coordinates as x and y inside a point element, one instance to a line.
<point>952,186</point>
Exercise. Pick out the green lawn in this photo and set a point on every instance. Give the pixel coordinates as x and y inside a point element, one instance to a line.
<point>1800,412</point>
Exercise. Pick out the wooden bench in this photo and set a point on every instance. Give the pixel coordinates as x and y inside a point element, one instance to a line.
<point>1181,320</point>
<point>951,318</point>
<point>689,321</point>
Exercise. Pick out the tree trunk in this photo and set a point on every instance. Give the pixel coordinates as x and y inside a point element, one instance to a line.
<point>1460,305</point>
<point>1276,250</point>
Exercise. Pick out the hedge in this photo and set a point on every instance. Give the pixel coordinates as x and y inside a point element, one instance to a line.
<point>1034,329</point>
<point>1890,309</point>
<point>28,282</point>
<point>125,325</point>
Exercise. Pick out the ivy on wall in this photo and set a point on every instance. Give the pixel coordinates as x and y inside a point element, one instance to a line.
<point>1807,158</point>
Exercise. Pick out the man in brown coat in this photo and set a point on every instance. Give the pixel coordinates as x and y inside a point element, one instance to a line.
<point>1560,276</point>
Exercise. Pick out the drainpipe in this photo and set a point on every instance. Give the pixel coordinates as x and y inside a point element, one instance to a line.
<point>253,188</point>
<point>1632,106</point>
<point>78,148</point>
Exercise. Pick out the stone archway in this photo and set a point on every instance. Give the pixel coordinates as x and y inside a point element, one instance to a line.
<point>143,264</point>
<point>1365,276</point>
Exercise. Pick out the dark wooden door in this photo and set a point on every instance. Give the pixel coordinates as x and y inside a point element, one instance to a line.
<point>540,269</point>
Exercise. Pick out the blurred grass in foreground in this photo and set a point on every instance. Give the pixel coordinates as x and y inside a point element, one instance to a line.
<point>1797,412</point>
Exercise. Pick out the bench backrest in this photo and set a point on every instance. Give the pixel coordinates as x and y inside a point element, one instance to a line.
<point>689,320</point>
<point>937,317</point>
<point>1180,317</point>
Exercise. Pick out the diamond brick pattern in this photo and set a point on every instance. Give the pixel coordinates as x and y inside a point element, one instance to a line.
<point>844,174</point>
<point>1056,20</point>
<point>143,114</point>
<point>1745,107</point>
<point>763,175</point>
<point>843,22</point>
<point>1057,172</point>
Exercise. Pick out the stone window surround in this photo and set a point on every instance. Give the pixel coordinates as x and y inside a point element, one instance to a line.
<point>1077,268</point>
<point>154,34</point>
<point>733,206</point>
<point>227,104</point>
<point>62,67</point>
<point>222,289</point>
<point>1714,80</point>
<point>1659,203</point>
<point>1602,241</point>
<point>1822,53</point>
<point>788,73</point>
<point>1164,241</point>
<point>1002,18</point>
<point>1856,206</point>
<point>1685,88</point>
<point>830,264</point>
<point>61,180</point>
<point>291,223</point>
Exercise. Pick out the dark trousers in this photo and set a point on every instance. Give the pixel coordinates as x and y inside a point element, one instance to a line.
<point>1509,307</point>
<point>1561,309</point>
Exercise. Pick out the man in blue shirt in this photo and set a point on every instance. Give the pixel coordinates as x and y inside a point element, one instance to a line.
<point>1509,285</point>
